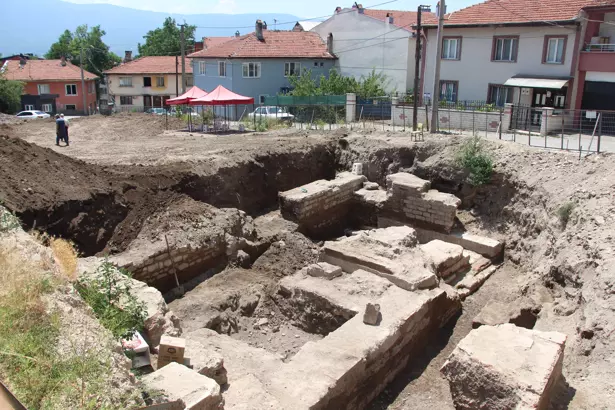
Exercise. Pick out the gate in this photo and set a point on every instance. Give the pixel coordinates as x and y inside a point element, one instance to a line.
<point>374,109</point>
<point>525,118</point>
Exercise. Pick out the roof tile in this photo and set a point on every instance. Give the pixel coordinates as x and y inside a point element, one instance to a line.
<point>45,70</point>
<point>149,65</point>
<point>276,44</point>
<point>402,19</point>
<point>517,12</point>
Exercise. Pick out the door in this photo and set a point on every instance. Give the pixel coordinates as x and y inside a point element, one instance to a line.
<point>157,101</point>
<point>147,101</point>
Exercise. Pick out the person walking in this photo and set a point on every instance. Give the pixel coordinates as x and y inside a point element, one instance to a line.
<point>60,130</point>
<point>67,126</point>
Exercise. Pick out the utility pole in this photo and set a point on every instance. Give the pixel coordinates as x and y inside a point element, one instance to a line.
<point>183,50</point>
<point>417,67</point>
<point>83,90</point>
<point>176,76</point>
<point>435,98</point>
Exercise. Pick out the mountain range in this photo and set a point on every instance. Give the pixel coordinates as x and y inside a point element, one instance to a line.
<point>31,27</point>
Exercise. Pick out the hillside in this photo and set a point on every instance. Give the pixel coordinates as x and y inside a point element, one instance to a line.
<point>125,27</point>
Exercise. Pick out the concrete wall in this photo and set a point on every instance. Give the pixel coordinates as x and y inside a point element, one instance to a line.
<point>475,70</point>
<point>454,119</point>
<point>363,44</point>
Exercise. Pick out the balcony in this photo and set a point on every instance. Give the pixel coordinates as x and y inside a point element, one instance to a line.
<point>598,57</point>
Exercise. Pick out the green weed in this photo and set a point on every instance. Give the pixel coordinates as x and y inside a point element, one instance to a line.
<point>472,157</point>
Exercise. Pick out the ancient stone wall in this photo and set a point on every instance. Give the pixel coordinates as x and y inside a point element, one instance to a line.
<point>411,197</point>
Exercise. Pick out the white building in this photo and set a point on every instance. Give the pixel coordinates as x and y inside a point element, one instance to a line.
<point>366,40</point>
<point>505,55</point>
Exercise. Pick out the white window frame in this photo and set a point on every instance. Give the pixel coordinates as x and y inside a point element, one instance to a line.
<point>29,107</point>
<point>557,40</point>
<point>287,69</point>
<point>49,106</point>
<point>448,52</point>
<point>256,69</point>
<point>66,90</point>
<point>125,81</point>
<point>71,105</point>
<point>221,68</point>
<point>158,78</point>
<point>514,49</point>
<point>202,67</point>
<point>126,96</point>
<point>39,89</point>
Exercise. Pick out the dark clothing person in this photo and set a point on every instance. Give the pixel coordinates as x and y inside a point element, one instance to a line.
<point>61,131</point>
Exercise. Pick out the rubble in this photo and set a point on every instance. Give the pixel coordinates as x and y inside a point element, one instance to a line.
<point>372,315</point>
<point>505,367</point>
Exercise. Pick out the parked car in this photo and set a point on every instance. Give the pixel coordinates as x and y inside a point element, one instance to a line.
<point>156,111</point>
<point>31,114</point>
<point>279,113</point>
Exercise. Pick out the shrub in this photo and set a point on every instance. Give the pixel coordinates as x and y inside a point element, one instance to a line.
<point>8,220</point>
<point>564,212</point>
<point>473,158</point>
<point>108,294</point>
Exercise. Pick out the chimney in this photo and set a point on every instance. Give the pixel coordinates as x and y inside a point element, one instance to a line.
<point>330,43</point>
<point>237,34</point>
<point>127,56</point>
<point>63,61</point>
<point>338,9</point>
<point>389,18</point>
<point>360,7</point>
<point>258,30</point>
<point>22,61</point>
<point>264,25</point>
<point>199,45</point>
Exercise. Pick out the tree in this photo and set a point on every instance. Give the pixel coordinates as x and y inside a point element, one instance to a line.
<point>166,40</point>
<point>10,95</point>
<point>96,54</point>
<point>336,84</point>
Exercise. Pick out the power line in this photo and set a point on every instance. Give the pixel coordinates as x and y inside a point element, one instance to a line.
<point>499,3</point>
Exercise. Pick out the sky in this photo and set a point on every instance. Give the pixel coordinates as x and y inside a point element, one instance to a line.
<point>304,9</point>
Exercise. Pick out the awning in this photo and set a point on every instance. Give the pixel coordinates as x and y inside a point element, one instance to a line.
<point>527,82</point>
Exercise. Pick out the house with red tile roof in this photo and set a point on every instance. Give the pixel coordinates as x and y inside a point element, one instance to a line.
<point>146,82</point>
<point>52,85</point>
<point>258,64</point>
<point>366,40</point>
<point>523,52</point>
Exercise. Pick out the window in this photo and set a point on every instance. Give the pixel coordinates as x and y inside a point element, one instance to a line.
<point>451,48</point>
<point>71,89</point>
<point>315,63</point>
<point>292,69</point>
<point>125,81</point>
<point>448,91</point>
<point>251,70</point>
<point>159,81</point>
<point>500,95</point>
<point>43,89</point>
<point>70,107</point>
<point>261,98</point>
<point>47,107</point>
<point>222,68</point>
<point>554,50</point>
<point>147,81</point>
<point>505,49</point>
<point>202,67</point>
<point>91,87</point>
<point>29,107</point>
<point>125,100</point>
<point>189,81</point>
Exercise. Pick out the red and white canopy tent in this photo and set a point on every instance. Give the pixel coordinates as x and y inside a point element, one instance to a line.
<point>193,93</point>
<point>222,96</point>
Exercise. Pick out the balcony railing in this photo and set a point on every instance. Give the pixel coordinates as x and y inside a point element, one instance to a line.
<point>600,47</point>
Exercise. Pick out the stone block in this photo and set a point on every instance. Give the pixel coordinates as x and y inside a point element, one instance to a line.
<point>171,349</point>
<point>372,314</point>
<point>406,181</point>
<point>206,361</point>
<point>505,367</point>
<point>324,269</point>
<point>179,383</point>
<point>522,313</point>
<point>444,257</point>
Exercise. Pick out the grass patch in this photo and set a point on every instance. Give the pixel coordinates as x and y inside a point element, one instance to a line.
<point>29,361</point>
<point>66,257</point>
<point>473,157</point>
<point>108,294</point>
<point>564,212</point>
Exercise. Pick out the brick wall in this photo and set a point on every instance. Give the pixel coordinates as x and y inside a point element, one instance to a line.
<point>320,205</point>
<point>412,197</point>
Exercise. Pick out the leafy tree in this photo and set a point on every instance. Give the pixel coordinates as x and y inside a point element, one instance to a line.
<point>96,54</point>
<point>336,84</point>
<point>166,40</point>
<point>10,95</point>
